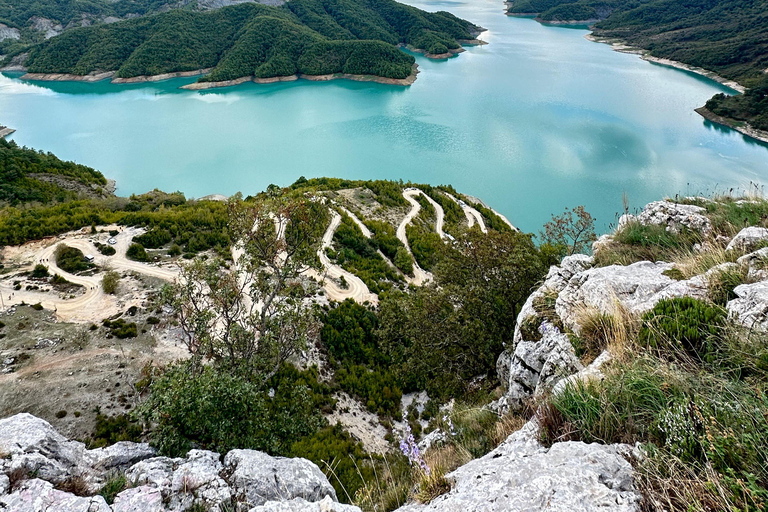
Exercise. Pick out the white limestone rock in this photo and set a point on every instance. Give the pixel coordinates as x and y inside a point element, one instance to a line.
<point>7,32</point>
<point>750,307</point>
<point>5,484</point>
<point>748,238</point>
<point>258,478</point>
<point>674,216</point>
<point>302,505</point>
<point>522,475</point>
<point>39,496</point>
<point>139,499</point>
<point>197,481</point>
<point>119,455</point>
<point>156,472</point>
<point>26,434</point>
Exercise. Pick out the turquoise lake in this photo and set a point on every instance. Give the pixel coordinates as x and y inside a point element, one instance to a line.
<point>537,120</point>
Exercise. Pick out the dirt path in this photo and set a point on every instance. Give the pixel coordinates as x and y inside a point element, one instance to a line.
<point>356,288</point>
<point>472,214</point>
<point>420,276</point>
<point>93,304</point>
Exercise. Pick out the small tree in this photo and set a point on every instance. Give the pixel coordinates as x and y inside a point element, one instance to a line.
<point>110,281</point>
<point>40,271</point>
<point>571,232</point>
<point>252,316</point>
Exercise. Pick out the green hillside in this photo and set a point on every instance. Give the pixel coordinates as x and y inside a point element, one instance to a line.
<point>729,37</point>
<point>304,36</point>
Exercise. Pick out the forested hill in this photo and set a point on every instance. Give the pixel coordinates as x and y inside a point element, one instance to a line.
<point>729,37</point>
<point>29,176</point>
<point>304,36</point>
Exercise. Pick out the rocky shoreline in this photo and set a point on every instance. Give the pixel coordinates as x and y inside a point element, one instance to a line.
<point>744,129</point>
<point>5,131</point>
<point>410,79</point>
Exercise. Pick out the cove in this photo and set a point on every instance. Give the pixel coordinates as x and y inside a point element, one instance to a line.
<point>537,120</point>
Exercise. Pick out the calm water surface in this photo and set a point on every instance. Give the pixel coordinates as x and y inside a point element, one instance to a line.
<point>537,120</point>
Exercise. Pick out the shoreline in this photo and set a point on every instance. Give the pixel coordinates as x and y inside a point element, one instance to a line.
<point>5,131</point>
<point>622,47</point>
<point>744,129</point>
<point>410,79</point>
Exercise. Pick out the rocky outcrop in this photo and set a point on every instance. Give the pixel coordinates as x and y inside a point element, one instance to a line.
<point>522,475</point>
<point>35,461</point>
<point>674,216</point>
<point>750,307</point>
<point>748,239</point>
<point>258,478</point>
<point>7,32</point>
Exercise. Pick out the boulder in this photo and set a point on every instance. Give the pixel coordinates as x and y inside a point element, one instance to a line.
<point>42,467</point>
<point>197,482</point>
<point>750,307</point>
<point>119,455</point>
<point>522,475</point>
<point>637,287</point>
<point>302,505</point>
<point>156,472</point>
<point>258,478</point>
<point>139,499</point>
<point>24,433</point>
<point>757,264</point>
<point>748,239</point>
<point>39,496</point>
<point>672,215</point>
<point>5,484</point>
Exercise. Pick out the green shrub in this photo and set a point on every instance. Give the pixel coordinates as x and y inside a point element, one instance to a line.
<point>71,259</point>
<point>112,429</point>
<point>110,281</point>
<point>121,329</point>
<point>684,325</point>
<point>112,487</point>
<point>723,282</point>
<point>136,252</point>
<point>40,271</point>
<point>106,250</point>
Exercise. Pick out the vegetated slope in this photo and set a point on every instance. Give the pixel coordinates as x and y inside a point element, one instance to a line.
<point>305,36</point>
<point>729,37</point>
<point>28,176</point>
<point>19,13</point>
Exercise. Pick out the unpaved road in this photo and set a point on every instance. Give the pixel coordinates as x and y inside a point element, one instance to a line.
<point>356,288</point>
<point>420,276</point>
<point>93,304</point>
<point>471,214</point>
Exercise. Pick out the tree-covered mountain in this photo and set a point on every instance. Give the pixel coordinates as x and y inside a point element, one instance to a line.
<point>729,37</point>
<point>304,36</point>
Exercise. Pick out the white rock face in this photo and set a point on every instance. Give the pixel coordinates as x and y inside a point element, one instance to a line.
<point>259,478</point>
<point>27,434</point>
<point>301,505</point>
<point>750,307</point>
<point>119,455</point>
<point>522,475</point>
<point>40,496</point>
<point>49,28</point>
<point>672,215</point>
<point>7,32</point>
<point>139,499</point>
<point>748,238</point>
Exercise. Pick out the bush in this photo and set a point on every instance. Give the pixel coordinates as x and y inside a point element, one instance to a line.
<point>71,259</point>
<point>684,325</point>
<point>110,281</point>
<point>112,429</point>
<point>136,252</point>
<point>196,406</point>
<point>106,250</point>
<point>121,329</point>
<point>40,271</point>
<point>116,484</point>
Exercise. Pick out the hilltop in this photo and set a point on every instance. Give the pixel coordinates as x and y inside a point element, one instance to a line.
<point>356,38</point>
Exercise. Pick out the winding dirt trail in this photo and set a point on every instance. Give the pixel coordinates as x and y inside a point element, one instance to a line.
<point>93,304</point>
<point>356,288</point>
<point>473,216</point>
<point>420,276</point>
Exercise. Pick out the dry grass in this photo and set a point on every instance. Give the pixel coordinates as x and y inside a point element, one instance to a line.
<point>615,331</point>
<point>694,263</point>
<point>76,485</point>
<point>506,426</point>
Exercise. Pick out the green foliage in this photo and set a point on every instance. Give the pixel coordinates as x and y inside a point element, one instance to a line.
<point>440,337</point>
<point>112,487</point>
<point>106,250</point>
<point>340,457</point>
<point>637,242</point>
<point>196,406</point>
<point>358,255</point>
<point>121,329</point>
<point>384,238</point>
<point>684,325</point>
<point>304,36</point>
<point>572,232</point>
<point>112,429</point>
<point>40,271</point>
<point>154,238</point>
<point>730,214</point>
<point>375,388</point>
<point>750,107</point>
<point>110,281</point>
<point>71,259</point>
<point>426,245</point>
<point>28,176</point>
<point>136,252</point>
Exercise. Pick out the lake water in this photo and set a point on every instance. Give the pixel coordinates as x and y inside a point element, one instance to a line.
<point>537,120</point>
